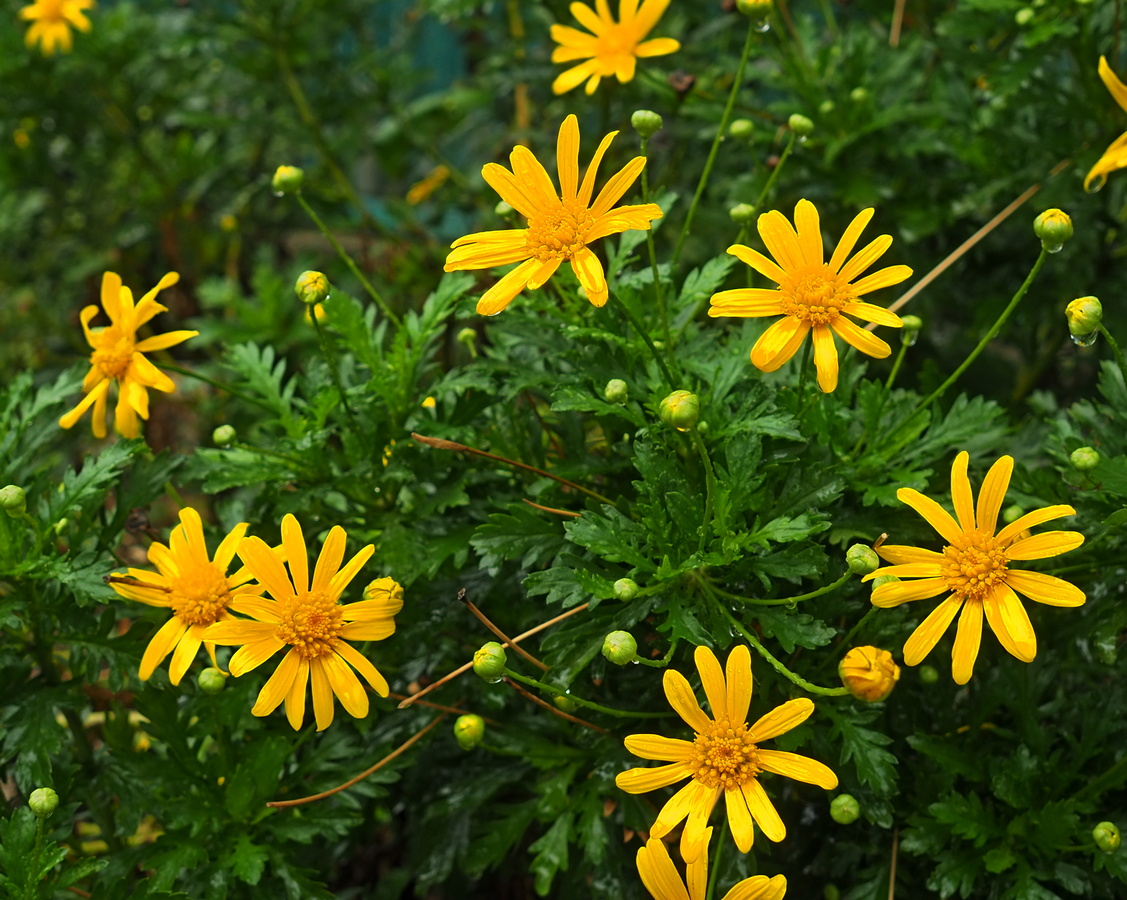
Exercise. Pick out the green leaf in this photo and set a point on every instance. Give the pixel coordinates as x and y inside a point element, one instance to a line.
<point>550,854</point>
<point>246,860</point>
<point>263,377</point>
<point>348,317</point>
<point>793,629</point>
<point>86,489</point>
<point>522,534</point>
<point>559,584</point>
<point>173,854</point>
<point>221,469</point>
<point>864,747</point>
<point>1111,476</point>
<point>611,536</point>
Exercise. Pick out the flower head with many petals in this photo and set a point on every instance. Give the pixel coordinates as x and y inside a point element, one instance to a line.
<point>559,226</point>
<point>51,22</point>
<point>310,619</point>
<point>660,877</point>
<point>1115,156</point>
<point>813,296</point>
<point>612,48</point>
<point>974,568</point>
<point>119,356</point>
<point>725,757</point>
<point>193,586</point>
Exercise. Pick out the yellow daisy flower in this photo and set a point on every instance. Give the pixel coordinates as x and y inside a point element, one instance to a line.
<point>118,356</point>
<point>311,620</point>
<point>612,48</point>
<point>51,22</point>
<point>194,587</point>
<point>724,758</point>
<point>813,296</point>
<point>975,568</point>
<point>660,877</point>
<point>1115,156</point>
<point>559,226</point>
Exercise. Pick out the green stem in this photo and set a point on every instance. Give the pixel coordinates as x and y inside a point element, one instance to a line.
<point>785,601</point>
<point>598,707</point>
<point>1115,349</point>
<point>709,487</point>
<point>31,889</point>
<point>638,327</point>
<point>714,875</point>
<point>659,294</point>
<point>331,358</point>
<point>804,367</point>
<point>763,194</point>
<point>721,130</point>
<point>883,398</point>
<point>349,261</point>
<point>844,642</point>
<point>180,370</point>
<point>658,663</point>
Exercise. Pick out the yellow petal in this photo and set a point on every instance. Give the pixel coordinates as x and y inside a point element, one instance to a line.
<point>345,685</point>
<point>502,293</point>
<point>849,239</point>
<point>1032,520</point>
<point>684,702</point>
<point>800,768</point>
<point>901,554</point>
<point>865,341</point>
<point>587,188</point>
<point>781,240</point>
<point>937,517</point>
<point>654,746</point>
<point>368,630</point>
<point>809,231</point>
<point>328,562</point>
<point>763,811</point>
<point>759,262</point>
<point>1114,85</point>
<point>364,666</point>
<point>351,569</point>
<point>166,638</point>
<point>266,567</point>
<point>643,780</point>
<point>779,343</point>
<point>534,177</point>
<point>869,312</point>
<point>1045,589</point>
<point>825,358</point>
<point>656,47</point>
<point>865,258</point>
<point>185,653</point>
<point>896,592</point>
<point>322,694</point>
<point>739,819</point>
<point>587,18</point>
<point>227,547</point>
<point>567,157</point>
<point>759,887</point>
<point>658,873</point>
<point>694,837</point>
<point>1042,546</point>
<point>618,185</point>
<point>1010,622</point>
<point>510,190</point>
<point>908,570</point>
<point>993,492</point>
<point>746,302</point>
<point>712,679</point>
<point>589,271</point>
<point>930,630</point>
<point>296,553</point>
<point>295,699</point>
<point>737,678</point>
<point>961,495</point>
<point>278,686</point>
<point>882,278</point>
<point>968,638</point>
<point>781,719</point>
<point>251,655</point>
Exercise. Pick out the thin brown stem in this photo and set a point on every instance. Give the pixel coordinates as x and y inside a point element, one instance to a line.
<point>892,867</point>
<point>481,617</point>
<point>552,709</point>
<point>552,509</point>
<point>897,22</point>
<point>458,711</point>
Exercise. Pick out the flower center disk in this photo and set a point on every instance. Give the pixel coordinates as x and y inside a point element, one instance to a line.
<point>815,295</point>
<point>560,232</point>
<point>974,564</point>
<point>311,623</point>
<point>113,358</point>
<point>200,595</point>
<point>724,756</point>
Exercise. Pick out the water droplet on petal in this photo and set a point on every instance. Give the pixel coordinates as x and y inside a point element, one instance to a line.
<point>1084,340</point>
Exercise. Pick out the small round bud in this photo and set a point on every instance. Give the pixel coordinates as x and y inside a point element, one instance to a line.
<point>224,435</point>
<point>312,288</point>
<point>503,209</point>
<point>741,129</point>
<point>13,500</point>
<point>1053,227</point>
<point>429,403</point>
<point>489,662</point>
<point>616,391</point>
<point>1106,836</point>
<point>910,332</point>
<point>387,590</point>
<point>44,801</point>
<point>859,94</point>
<point>754,9</point>
<point>929,674</point>
<point>288,180</point>
<point>625,589</point>
<point>1084,459</point>
<point>469,730</point>
<point>620,647</point>
<point>800,125</point>
<point>844,809</point>
<point>564,703</point>
<point>467,337</point>
<point>742,213</point>
<point>826,107</point>
<point>1084,315</point>
<point>882,579</point>
<point>646,122</point>
<point>862,559</point>
<point>61,526</point>
<point>831,892</point>
<point>869,673</point>
<point>1012,513</point>
<point>1024,16</point>
<point>212,680</point>
<point>680,410</point>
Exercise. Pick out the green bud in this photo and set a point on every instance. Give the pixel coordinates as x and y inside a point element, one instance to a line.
<point>44,801</point>
<point>800,125</point>
<point>616,391</point>
<point>1053,227</point>
<point>845,809</point>
<point>1084,459</point>
<point>13,500</point>
<point>503,209</point>
<point>754,9</point>
<point>489,662</point>
<point>680,410</point>
<point>61,526</point>
<point>469,730</point>
<point>625,589</point>
<point>862,559</point>
<point>910,331</point>
<point>742,213</point>
<point>1106,836</point>
<point>831,892</point>
<point>312,288</point>
<point>859,95</point>
<point>882,579</point>
<point>224,435</point>
<point>212,680</point>
<point>1012,513</point>
<point>467,337</point>
<point>741,129</point>
<point>620,647</point>
<point>288,180</point>
<point>646,122</point>
<point>1084,315</point>
<point>929,674</point>
<point>564,703</point>
<point>1024,16</point>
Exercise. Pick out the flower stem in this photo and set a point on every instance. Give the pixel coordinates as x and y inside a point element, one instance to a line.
<point>844,642</point>
<point>638,327</point>
<point>598,707</point>
<point>658,663</point>
<point>1115,349</point>
<point>883,398</point>
<point>785,601</point>
<point>223,386</point>
<point>31,888</point>
<point>721,130</point>
<point>658,292</point>
<point>709,486</point>
<point>763,194</point>
<point>334,370</point>
<point>714,875</point>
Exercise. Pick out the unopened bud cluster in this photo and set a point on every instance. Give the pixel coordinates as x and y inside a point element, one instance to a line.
<point>43,802</point>
<point>616,391</point>
<point>1084,459</point>
<point>1107,837</point>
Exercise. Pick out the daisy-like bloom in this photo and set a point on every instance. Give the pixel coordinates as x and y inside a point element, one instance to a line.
<point>310,619</point>
<point>660,877</point>
<point>813,296</point>
<point>975,568</point>
<point>612,48</point>
<point>559,226</point>
<point>195,587</point>
<point>1115,156</point>
<point>51,22</point>
<point>119,356</point>
<point>723,759</point>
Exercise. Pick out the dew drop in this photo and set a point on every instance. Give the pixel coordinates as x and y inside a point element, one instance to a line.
<point>1052,248</point>
<point>762,26</point>
<point>1093,188</point>
<point>802,139</point>
<point>1084,340</point>
<point>909,338</point>
<point>279,193</point>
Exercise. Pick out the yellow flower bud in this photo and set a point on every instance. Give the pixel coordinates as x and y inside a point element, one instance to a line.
<point>469,731</point>
<point>1053,227</point>
<point>288,180</point>
<point>681,409</point>
<point>620,647</point>
<point>312,288</point>
<point>489,662</point>
<point>1084,315</point>
<point>1106,835</point>
<point>869,673</point>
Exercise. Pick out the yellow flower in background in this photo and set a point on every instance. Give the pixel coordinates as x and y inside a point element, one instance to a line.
<point>813,296</point>
<point>660,877</point>
<point>310,619</point>
<point>723,759</point>
<point>195,587</point>
<point>612,48</point>
<point>118,356</point>
<point>975,568</point>
<point>51,22</point>
<point>420,190</point>
<point>1115,156</point>
<point>559,226</point>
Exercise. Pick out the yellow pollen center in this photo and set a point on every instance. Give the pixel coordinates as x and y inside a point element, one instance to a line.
<point>816,295</point>
<point>559,232</point>
<point>51,10</point>
<point>724,756</point>
<point>617,41</point>
<point>974,564</point>
<point>113,355</point>
<point>199,595</point>
<point>312,623</point>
